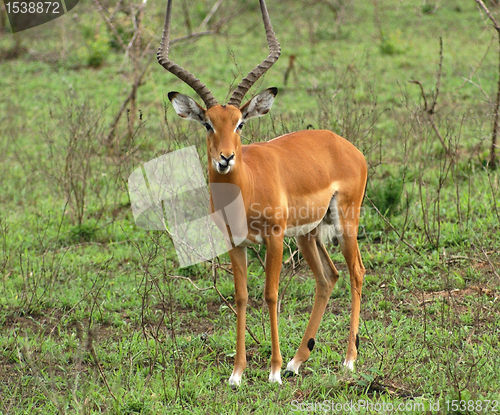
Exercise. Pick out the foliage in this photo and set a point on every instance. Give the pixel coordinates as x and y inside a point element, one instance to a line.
<point>387,195</point>
<point>98,45</point>
<point>392,44</point>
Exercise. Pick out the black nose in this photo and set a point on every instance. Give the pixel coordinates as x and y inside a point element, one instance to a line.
<point>227,159</point>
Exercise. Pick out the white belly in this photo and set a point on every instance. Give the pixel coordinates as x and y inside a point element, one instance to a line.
<point>258,240</point>
<point>293,231</point>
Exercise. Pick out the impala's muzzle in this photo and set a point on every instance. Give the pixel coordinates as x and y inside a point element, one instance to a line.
<point>223,166</point>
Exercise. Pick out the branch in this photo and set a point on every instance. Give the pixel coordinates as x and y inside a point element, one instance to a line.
<point>96,360</point>
<point>488,13</point>
<point>190,281</point>
<point>192,36</point>
<point>473,72</point>
<point>115,10</point>
<point>137,19</point>
<point>492,162</point>
<point>110,24</point>
<point>135,86</point>
<point>258,256</point>
<point>431,110</point>
<point>438,80</point>
<point>490,263</point>
<point>430,113</point>
<point>393,228</point>
<point>422,91</point>
<point>210,14</point>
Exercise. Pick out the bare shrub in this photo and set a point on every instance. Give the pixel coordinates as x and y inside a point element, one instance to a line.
<point>72,159</point>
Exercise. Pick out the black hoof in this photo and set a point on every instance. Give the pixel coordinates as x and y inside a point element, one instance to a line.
<point>289,374</point>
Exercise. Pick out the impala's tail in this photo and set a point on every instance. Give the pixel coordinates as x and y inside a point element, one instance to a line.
<point>330,227</point>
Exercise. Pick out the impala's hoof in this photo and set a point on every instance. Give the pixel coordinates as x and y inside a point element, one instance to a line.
<point>349,365</point>
<point>293,367</point>
<point>234,381</point>
<point>275,377</point>
<point>289,374</point>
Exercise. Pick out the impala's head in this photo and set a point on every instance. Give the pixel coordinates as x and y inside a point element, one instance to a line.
<point>223,122</point>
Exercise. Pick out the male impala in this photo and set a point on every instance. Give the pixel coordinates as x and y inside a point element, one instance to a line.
<point>301,184</point>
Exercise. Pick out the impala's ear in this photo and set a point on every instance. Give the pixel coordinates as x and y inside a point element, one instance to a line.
<point>259,105</point>
<point>187,107</point>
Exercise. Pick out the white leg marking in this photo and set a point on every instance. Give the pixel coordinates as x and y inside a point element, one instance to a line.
<point>293,366</point>
<point>235,379</point>
<point>349,365</point>
<point>275,377</point>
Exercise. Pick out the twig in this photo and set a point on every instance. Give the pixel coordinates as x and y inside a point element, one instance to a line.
<point>110,24</point>
<point>187,19</point>
<point>422,92</point>
<point>292,272</point>
<point>38,377</point>
<point>490,263</point>
<point>392,227</point>
<point>291,258</point>
<point>290,68</point>
<point>115,10</point>
<point>137,19</point>
<point>430,110</point>
<point>438,80</point>
<point>258,256</point>
<point>192,36</point>
<point>190,281</point>
<point>473,72</point>
<point>138,82</point>
<point>483,6</point>
<point>455,258</point>
<point>492,162</point>
<point>219,266</point>
<point>210,14</point>
<point>96,360</point>
<point>132,93</point>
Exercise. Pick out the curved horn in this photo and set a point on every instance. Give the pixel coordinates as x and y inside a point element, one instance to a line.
<point>178,71</point>
<point>274,54</point>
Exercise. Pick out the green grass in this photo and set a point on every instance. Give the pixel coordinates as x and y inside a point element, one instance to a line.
<point>96,316</point>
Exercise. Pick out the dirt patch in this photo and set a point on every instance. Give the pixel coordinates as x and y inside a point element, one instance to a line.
<point>457,294</point>
<point>193,326</point>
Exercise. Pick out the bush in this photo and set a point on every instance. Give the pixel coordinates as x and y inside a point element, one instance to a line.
<point>386,194</point>
<point>98,47</point>
<point>392,44</point>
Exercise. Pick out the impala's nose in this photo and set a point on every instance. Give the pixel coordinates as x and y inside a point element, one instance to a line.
<point>224,165</point>
<point>225,161</point>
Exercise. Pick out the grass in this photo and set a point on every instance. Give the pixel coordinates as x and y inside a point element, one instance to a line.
<point>96,316</point>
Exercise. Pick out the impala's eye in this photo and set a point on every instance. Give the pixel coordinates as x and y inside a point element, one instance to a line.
<point>240,126</point>
<point>208,127</point>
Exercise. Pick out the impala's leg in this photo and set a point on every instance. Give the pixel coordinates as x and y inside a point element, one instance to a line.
<point>326,276</point>
<point>274,256</point>
<point>238,257</point>
<point>349,244</point>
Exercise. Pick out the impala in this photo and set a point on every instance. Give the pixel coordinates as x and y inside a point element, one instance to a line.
<point>308,184</point>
